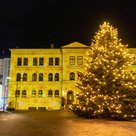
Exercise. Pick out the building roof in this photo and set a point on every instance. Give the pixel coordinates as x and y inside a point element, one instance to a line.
<point>75,45</point>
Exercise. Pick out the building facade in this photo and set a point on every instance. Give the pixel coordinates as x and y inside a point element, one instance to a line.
<point>45,78</point>
<point>4,78</point>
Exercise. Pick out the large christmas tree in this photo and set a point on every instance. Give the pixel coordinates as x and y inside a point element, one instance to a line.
<point>108,87</point>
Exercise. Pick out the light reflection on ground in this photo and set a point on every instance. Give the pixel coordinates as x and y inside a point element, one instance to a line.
<point>60,123</point>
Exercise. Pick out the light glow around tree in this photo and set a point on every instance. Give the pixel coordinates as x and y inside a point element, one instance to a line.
<point>108,88</point>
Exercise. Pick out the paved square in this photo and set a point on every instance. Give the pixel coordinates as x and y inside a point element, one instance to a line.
<point>60,123</point>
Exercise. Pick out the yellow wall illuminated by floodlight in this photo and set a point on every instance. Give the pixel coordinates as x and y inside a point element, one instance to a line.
<point>39,78</point>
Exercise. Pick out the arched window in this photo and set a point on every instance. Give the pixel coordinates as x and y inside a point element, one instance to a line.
<point>56,94</point>
<point>25,77</point>
<point>17,93</point>
<point>50,77</point>
<point>56,76</point>
<point>50,93</point>
<point>18,77</point>
<point>33,93</point>
<point>70,97</point>
<point>34,77</point>
<point>24,93</point>
<point>40,93</point>
<point>72,76</point>
<point>41,77</point>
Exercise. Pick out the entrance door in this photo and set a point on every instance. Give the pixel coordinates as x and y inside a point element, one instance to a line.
<point>70,97</point>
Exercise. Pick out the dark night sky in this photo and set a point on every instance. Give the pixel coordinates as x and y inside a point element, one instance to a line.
<point>37,23</point>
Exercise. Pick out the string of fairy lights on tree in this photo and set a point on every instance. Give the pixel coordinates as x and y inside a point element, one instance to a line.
<point>107,86</point>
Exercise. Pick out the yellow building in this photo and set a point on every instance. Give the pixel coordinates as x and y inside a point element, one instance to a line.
<point>44,78</point>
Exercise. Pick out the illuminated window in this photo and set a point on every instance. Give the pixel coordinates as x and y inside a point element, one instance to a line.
<point>50,77</point>
<point>34,77</point>
<point>41,61</point>
<point>25,61</point>
<point>56,61</point>
<point>18,77</point>
<point>25,77</point>
<point>72,76</point>
<point>50,61</point>
<point>56,76</point>
<point>19,61</point>
<point>56,94</point>
<point>72,60</point>
<point>33,93</point>
<point>17,93</point>
<point>79,60</point>
<point>34,61</point>
<point>24,93</point>
<point>40,93</point>
<point>41,77</point>
<point>50,93</point>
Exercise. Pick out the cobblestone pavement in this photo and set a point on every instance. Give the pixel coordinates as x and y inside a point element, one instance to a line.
<point>60,123</point>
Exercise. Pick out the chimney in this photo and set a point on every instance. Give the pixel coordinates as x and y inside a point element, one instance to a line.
<point>52,46</point>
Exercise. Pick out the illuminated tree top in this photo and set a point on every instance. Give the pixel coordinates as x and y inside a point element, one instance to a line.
<point>107,87</point>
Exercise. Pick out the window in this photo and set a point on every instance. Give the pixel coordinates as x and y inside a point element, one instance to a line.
<point>34,61</point>
<point>41,77</point>
<point>72,76</point>
<point>79,60</point>
<point>40,93</point>
<point>19,61</point>
<point>72,60</point>
<point>56,61</point>
<point>33,93</point>
<point>50,93</point>
<point>56,76</point>
<point>79,74</point>
<point>17,93</point>
<point>34,77</point>
<point>41,61</point>
<point>50,77</point>
<point>18,77</point>
<point>25,61</point>
<point>25,77</point>
<point>56,93</point>
<point>24,93</point>
<point>50,61</point>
